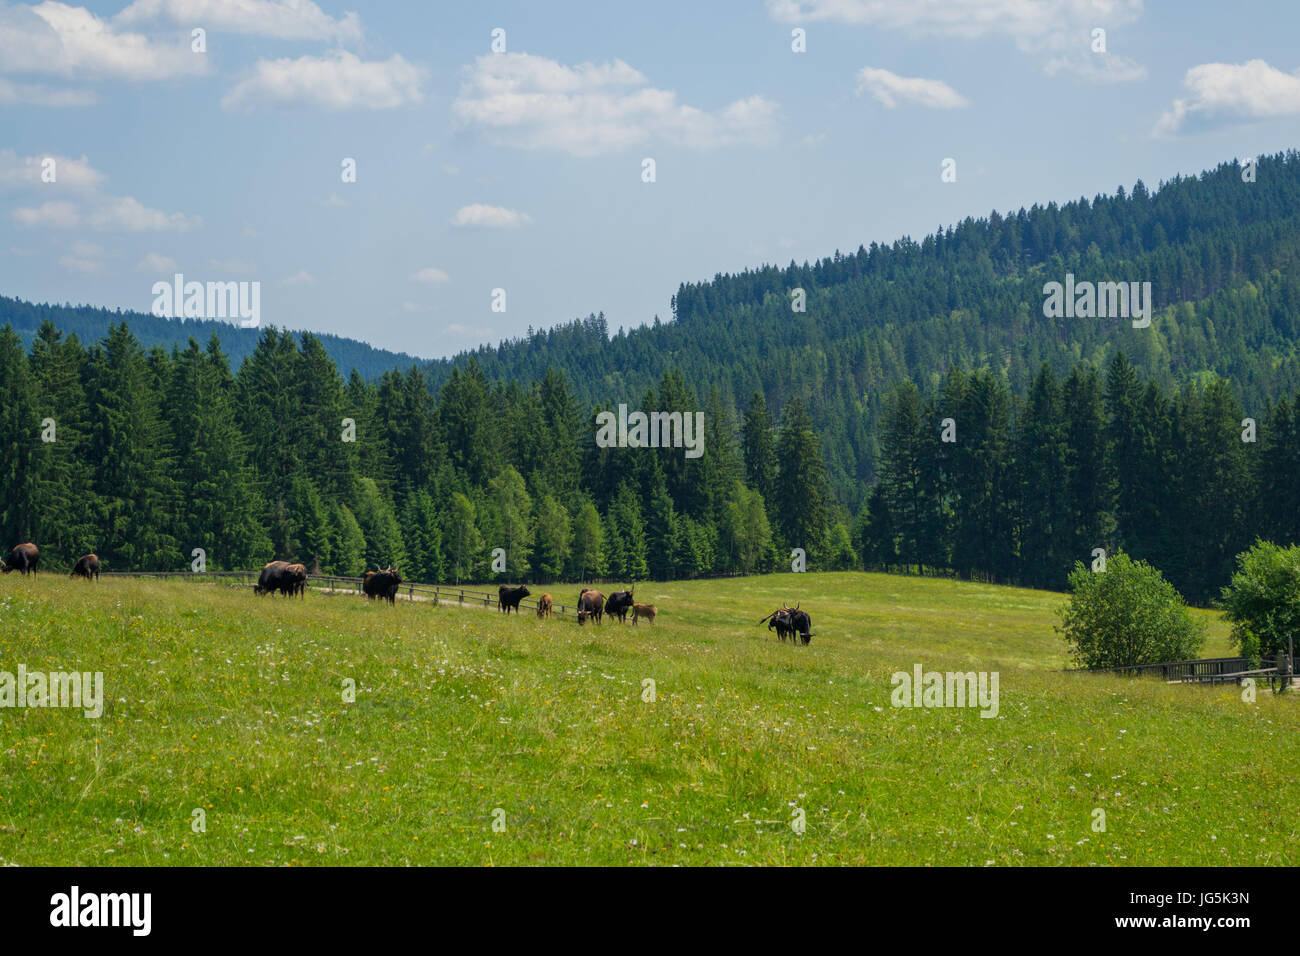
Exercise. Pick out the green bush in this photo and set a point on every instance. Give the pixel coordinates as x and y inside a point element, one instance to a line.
<point>1263,599</point>
<point>1127,614</point>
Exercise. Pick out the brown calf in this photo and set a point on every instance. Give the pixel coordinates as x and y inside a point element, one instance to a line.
<point>644,610</point>
<point>544,606</point>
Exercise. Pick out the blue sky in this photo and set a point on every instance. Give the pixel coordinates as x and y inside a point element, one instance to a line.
<point>522,170</point>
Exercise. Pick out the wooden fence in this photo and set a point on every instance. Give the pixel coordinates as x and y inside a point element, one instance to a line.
<point>410,590</point>
<point>1209,670</point>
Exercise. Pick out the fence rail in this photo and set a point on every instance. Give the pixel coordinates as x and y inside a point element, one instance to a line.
<point>411,590</point>
<point>1209,670</point>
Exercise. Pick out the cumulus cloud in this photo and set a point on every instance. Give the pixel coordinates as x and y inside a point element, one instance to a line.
<point>1056,34</point>
<point>301,277</point>
<point>69,173</point>
<point>431,276</point>
<point>282,19</point>
<point>94,209</point>
<point>1222,94</point>
<point>86,258</point>
<point>157,262</point>
<point>531,102</point>
<point>498,217</point>
<point>892,90</point>
<point>57,39</point>
<point>336,81</point>
<point>37,94</point>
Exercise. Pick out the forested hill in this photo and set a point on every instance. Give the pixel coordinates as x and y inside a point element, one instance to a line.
<point>1220,253</point>
<point>90,324</point>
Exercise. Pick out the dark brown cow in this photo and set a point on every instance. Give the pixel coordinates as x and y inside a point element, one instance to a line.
<point>508,598</point>
<point>544,604</point>
<point>780,620</point>
<point>591,604</point>
<point>87,566</point>
<point>382,584</point>
<point>297,574</point>
<point>21,557</point>
<point>274,577</point>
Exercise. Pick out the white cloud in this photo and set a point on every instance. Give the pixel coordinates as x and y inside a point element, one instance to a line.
<point>1227,93</point>
<point>531,102</point>
<point>126,213</point>
<point>333,201</point>
<point>69,173</point>
<point>57,39</point>
<point>301,277</point>
<point>56,214</point>
<point>431,276</point>
<point>282,19</point>
<point>157,262</point>
<point>1056,34</point>
<point>84,257</point>
<point>336,81</point>
<point>892,90</point>
<point>498,217</point>
<point>36,94</point>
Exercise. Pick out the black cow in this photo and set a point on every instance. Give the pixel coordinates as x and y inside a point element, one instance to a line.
<point>21,557</point>
<point>780,620</point>
<point>382,584</point>
<point>87,567</point>
<point>619,603</point>
<point>801,624</point>
<point>508,598</point>
<point>275,576</point>
<point>591,604</point>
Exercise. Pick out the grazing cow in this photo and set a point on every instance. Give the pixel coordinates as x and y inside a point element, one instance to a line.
<point>544,606</point>
<point>591,604</point>
<point>508,598</point>
<point>382,584</point>
<point>87,567</point>
<point>800,624</point>
<point>618,605</point>
<point>297,575</point>
<point>274,577</point>
<point>644,610</point>
<point>22,557</point>
<point>780,620</point>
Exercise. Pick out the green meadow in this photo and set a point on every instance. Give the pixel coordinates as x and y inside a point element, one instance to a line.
<point>480,739</point>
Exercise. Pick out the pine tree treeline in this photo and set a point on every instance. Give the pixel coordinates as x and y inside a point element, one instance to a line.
<point>157,454</point>
<point>1029,487</point>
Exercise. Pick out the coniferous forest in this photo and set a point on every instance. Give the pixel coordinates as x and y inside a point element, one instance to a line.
<point>825,428</point>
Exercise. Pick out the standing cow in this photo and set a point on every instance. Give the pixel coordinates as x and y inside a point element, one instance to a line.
<point>297,579</point>
<point>21,557</point>
<point>591,604</point>
<point>274,577</point>
<point>647,611</point>
<point>382,584</point>
<point>544,604</point>
<point>508,598</point>
<point>801,624</point>
<point>619,603</point>
<point>87,567</point>
<point>780,621</point>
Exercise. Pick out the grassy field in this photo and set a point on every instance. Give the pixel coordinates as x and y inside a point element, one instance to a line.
<point>221,701</point>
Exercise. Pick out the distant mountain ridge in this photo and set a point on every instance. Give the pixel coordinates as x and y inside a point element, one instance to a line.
<point>90,324</point>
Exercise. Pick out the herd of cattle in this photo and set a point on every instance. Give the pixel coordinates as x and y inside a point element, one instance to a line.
<point>291,579</point>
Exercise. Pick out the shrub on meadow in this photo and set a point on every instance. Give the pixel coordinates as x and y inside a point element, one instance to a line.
<point>1128,614</point>
<point>1263,599</point>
